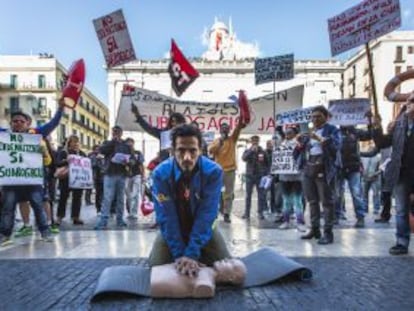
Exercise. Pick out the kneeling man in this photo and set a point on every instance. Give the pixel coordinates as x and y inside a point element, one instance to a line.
<point>186,191</point>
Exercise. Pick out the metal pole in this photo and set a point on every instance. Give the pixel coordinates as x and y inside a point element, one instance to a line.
<point>372,80</point>
<point>274,103</point>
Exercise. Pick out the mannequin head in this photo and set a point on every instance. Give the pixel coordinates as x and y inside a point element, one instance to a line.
<point>230,271</point>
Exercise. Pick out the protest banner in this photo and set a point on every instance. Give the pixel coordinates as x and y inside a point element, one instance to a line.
<point>156,108</point>
<point>349,111</point>
<point>363,22</point>
<point>282,161</point>
<point>21,161</point>
<point>276,68</point>
<point>113,35</point>
<point>297,116</point>
<point>80,172</point>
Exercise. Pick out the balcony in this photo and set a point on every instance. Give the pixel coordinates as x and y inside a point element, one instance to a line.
<point>35,88</point>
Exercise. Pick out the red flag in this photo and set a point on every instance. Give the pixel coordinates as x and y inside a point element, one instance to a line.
<point>181,71</point>
<point>74,84</point>
<point>245,113</point>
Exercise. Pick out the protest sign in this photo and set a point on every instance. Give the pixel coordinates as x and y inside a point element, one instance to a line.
<point>113,35</point>
<point>80,172</point>
<point>282,161</point>
<point>21,161</point>
<point>349,111</point>
<point>208,137</point>
<point>297,116</point>
<point>363,22</point>
<point>156,108</point>
<point>276,68</point>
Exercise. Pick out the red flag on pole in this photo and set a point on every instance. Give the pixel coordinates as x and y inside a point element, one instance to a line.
<point>181,71</point>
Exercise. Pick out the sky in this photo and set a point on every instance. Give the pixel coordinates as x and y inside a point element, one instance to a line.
<point>65,29</point>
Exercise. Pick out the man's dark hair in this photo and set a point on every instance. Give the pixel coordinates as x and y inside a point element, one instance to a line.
<point>179,118</point>
<point>20,113</point>
<point>186,130</point>
<point>322,110</point>
<point>130,139</point>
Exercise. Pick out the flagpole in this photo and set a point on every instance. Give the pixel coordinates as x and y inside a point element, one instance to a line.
<point>274,102</point>
<point>372,80</point>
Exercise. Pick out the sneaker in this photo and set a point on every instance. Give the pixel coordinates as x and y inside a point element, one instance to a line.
<point>247,217</point>
<point>5,241</point>
<point>46,236</point>
<point>132,217</point>
<point>398,249</point>
<point>360,223</point>
<point>381,220</point>
<point>54,228</point>
<point>122,224</point>
<point>301,227</point>
<point>284,226</point>
<point>24,231</point>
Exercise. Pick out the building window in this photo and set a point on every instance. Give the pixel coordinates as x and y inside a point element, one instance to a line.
<point>82,119</point>
<point>81,138</point>
<point>41,102</point>
<point>14,104</point>
<point>41,81</point>
<point>73,115</point>
<point>398,54</point>
<point>99,114</point>
<point>397,70</point>
<point>87,105</point>
<point>93,126</point>
<point>13,81</point>
<point>74,132</point>
<point>62,132</point>
<point>88,140</point>
<point>410,49</point>
<point>87,122</point>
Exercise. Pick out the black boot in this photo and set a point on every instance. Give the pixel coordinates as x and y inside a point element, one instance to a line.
<point>327,238</point>
<point>313,233</point>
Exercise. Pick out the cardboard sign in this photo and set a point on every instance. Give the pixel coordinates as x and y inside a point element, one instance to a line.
<point>297,116</point>
<point>363,22</point>
<point>282,161</point>
<point>113,35</point>
<point>80,172</point>
<point>156,108</point>
<point>349,111</point>
<point>21,161</point>
<point>276,68</point>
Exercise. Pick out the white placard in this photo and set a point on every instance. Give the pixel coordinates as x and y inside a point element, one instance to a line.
<point>165,140</point>
<point>113,35</point>
<point>278,68</point>
<point>297,116</point>
<point>208,137</point>
<point>282,161</point>
<point>363,22</point>
<point>21,160</point>
<point>349,111</point>
<point>80,172</point>
<point>156,108</point>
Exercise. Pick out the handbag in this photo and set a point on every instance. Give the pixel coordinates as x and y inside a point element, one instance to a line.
<point>146,207</point>
<point>62,172</point>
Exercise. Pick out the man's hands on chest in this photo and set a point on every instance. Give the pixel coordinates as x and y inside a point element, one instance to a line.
<point>187,266</point>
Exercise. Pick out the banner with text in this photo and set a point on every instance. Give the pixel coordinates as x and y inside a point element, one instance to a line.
<point>363,22</point>
<point>297,116</point>
<point>113,35</point>
<point>80,172</point>
<point>155,108</point>
<point>349,111</point>
<point>278,68</point>
<point>282,161</point>
<point>21,161</point>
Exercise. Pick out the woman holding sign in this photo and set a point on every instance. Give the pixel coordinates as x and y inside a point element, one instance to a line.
<point>72,147</point>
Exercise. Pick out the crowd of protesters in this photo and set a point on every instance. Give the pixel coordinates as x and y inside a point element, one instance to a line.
<point>326,156</point>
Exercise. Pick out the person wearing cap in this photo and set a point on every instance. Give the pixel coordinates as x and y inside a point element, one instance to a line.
<point>117,161</point>
<point>257,164</point>
<point>11,194</point>
<point>223,150</point>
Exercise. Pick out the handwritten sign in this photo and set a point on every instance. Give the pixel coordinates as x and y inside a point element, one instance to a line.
<point>349,111</point>
<point>276,68</point>
<point>80,172</point>
<point>208,137</point>
<point>297,116</point>
<point>21,161</point>
<point>156,108</point>
<point>113,35</point>
<point>282,160</point>
<point>363,22</point>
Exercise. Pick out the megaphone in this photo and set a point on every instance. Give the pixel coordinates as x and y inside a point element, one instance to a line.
<point>74,84</point>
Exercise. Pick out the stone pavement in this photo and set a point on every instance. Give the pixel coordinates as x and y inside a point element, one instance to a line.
<point>354,273</point>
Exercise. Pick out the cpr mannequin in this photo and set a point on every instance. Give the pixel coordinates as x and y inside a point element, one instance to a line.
<point>167,282</point>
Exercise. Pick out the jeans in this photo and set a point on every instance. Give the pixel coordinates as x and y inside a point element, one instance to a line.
<point>229,178</point>
<point>318,191</point>
<point>276,200</point>
<point>292,198</point>
<point>402,203</point>
<point>133,193</point>
<point>375,186</point>
<point>114,187</point>
<point>354,183</point>
<point>10,196</point>
<point>251,181</point>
